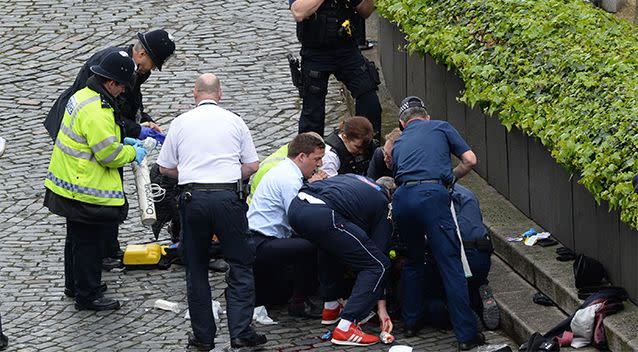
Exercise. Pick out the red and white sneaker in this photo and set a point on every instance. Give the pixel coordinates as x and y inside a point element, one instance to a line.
<point>331,316</point>
<point>353,337</point>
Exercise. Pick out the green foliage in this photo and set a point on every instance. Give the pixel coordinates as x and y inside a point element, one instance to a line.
<point>559,70</point>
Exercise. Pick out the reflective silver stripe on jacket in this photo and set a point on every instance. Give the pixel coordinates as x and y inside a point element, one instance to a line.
<point>69,130</point>
<point>103,144</point>
<point>113,155</point>
<point>72,152</point>
<point>83,189</point>
<point>79,107</point>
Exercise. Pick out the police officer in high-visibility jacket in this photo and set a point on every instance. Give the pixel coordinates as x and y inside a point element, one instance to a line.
<point>84,180</point>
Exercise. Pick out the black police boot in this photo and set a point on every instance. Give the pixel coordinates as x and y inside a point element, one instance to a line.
<point>111,263</point>
<point>69,292</point>
<point>4,342</point>
<point>304,309</point>
<point>252,341</point>
<point>411,331</point>
<point>478,340</point>
<point>98,304</point>
<point>197,345</point>
<point>118,254</point>
<point>218,265</point>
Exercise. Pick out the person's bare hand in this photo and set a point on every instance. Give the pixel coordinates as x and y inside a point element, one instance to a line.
<point>318,176</point>
<point>386,322</point>
<point>152,125</point>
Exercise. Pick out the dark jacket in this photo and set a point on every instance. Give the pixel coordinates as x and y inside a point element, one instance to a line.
<point>85,212</point>
<point>130,102</point>
<point>350,164</point>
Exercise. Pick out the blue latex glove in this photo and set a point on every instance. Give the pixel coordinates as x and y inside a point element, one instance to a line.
<point>140,153</point>
<point>132,141</point>
<point>146,132</point>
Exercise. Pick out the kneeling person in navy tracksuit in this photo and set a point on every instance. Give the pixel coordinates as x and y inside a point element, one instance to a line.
<point>346,217</point>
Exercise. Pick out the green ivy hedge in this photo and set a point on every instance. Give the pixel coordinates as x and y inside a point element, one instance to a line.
<point>559,70</point>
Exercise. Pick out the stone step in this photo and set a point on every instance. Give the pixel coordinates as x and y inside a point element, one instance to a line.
<point>520,317</point>
<point>538,265</point>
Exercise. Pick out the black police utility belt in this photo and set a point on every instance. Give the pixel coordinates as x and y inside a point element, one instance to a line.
<point>349,164</point>
<point>242,189</point>
<point>330,27</point>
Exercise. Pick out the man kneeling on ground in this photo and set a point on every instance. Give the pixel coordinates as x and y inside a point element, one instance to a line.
<point>478,249</point>
<point>346,217</point>
<point>277,247</point>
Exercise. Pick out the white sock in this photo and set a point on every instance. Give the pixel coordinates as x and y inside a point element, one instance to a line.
<point>344,325</point>
<point>331,304</point>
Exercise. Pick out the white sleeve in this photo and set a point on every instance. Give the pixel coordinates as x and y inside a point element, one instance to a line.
<point>331,162</point>
<point>248,152</point>
<point>168,156</point>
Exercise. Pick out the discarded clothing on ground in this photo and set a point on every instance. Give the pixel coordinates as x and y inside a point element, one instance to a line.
<point>606,302</point>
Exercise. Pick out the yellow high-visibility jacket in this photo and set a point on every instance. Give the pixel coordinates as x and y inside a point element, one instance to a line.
<point>87,153</point>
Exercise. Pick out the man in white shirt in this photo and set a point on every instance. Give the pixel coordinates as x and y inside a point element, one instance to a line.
<point>276,246</point>
<point>210,150</point>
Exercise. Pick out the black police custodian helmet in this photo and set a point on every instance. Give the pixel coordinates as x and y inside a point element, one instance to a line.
<point>158,44</point>
<point>117,66</point>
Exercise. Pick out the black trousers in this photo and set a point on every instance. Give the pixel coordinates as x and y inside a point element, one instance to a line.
<point>348,66</point>
<point>83,251</point>
<point>220,212</point>
<point>343,241</point>
<point>279,261</point>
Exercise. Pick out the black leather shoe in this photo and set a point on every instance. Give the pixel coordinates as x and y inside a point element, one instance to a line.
<point>194,343</point>
<point>255,340</point>
<point>71,293</point>
<point>111,263</point>
<point>305,309</point>
<point>478,340</point>
<point>99,304</point>
<point>4,341</point>
<point>411,331</point>
<point>119,254</point>
<point>218,265</point>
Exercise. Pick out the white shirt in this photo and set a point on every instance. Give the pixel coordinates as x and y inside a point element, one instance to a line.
<point>207,144</point>
<point>330,161</point>
<point>268,210</point>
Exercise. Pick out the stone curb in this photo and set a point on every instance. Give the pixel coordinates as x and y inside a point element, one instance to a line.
<point>536,265</point>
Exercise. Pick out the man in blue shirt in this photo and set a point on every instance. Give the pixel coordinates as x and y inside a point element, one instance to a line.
<point>346,217</point>
<point>478,249</point>
<point>276,246</point>
<point>423,170</point>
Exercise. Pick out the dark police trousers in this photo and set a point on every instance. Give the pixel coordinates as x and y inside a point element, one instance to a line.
<point>420,209</point>
<point>346,243</point>
<point>349,67</point>
<point>221,212</point>
<point>435,308</point>
<point>83,250</point>
<point>277,257</point>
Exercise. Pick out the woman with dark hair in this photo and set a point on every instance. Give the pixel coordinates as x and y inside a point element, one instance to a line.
<point>349,148</point>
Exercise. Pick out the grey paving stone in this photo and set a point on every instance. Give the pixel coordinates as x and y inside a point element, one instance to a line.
<point>43,45</point>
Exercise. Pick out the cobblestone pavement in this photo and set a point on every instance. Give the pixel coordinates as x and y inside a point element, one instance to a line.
<point>42,45</point>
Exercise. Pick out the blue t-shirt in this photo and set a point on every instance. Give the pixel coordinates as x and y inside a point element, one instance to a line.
<point>355,197</point>
<point>468,213</point>
<point>423,151</point>
<point>290,2</point>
